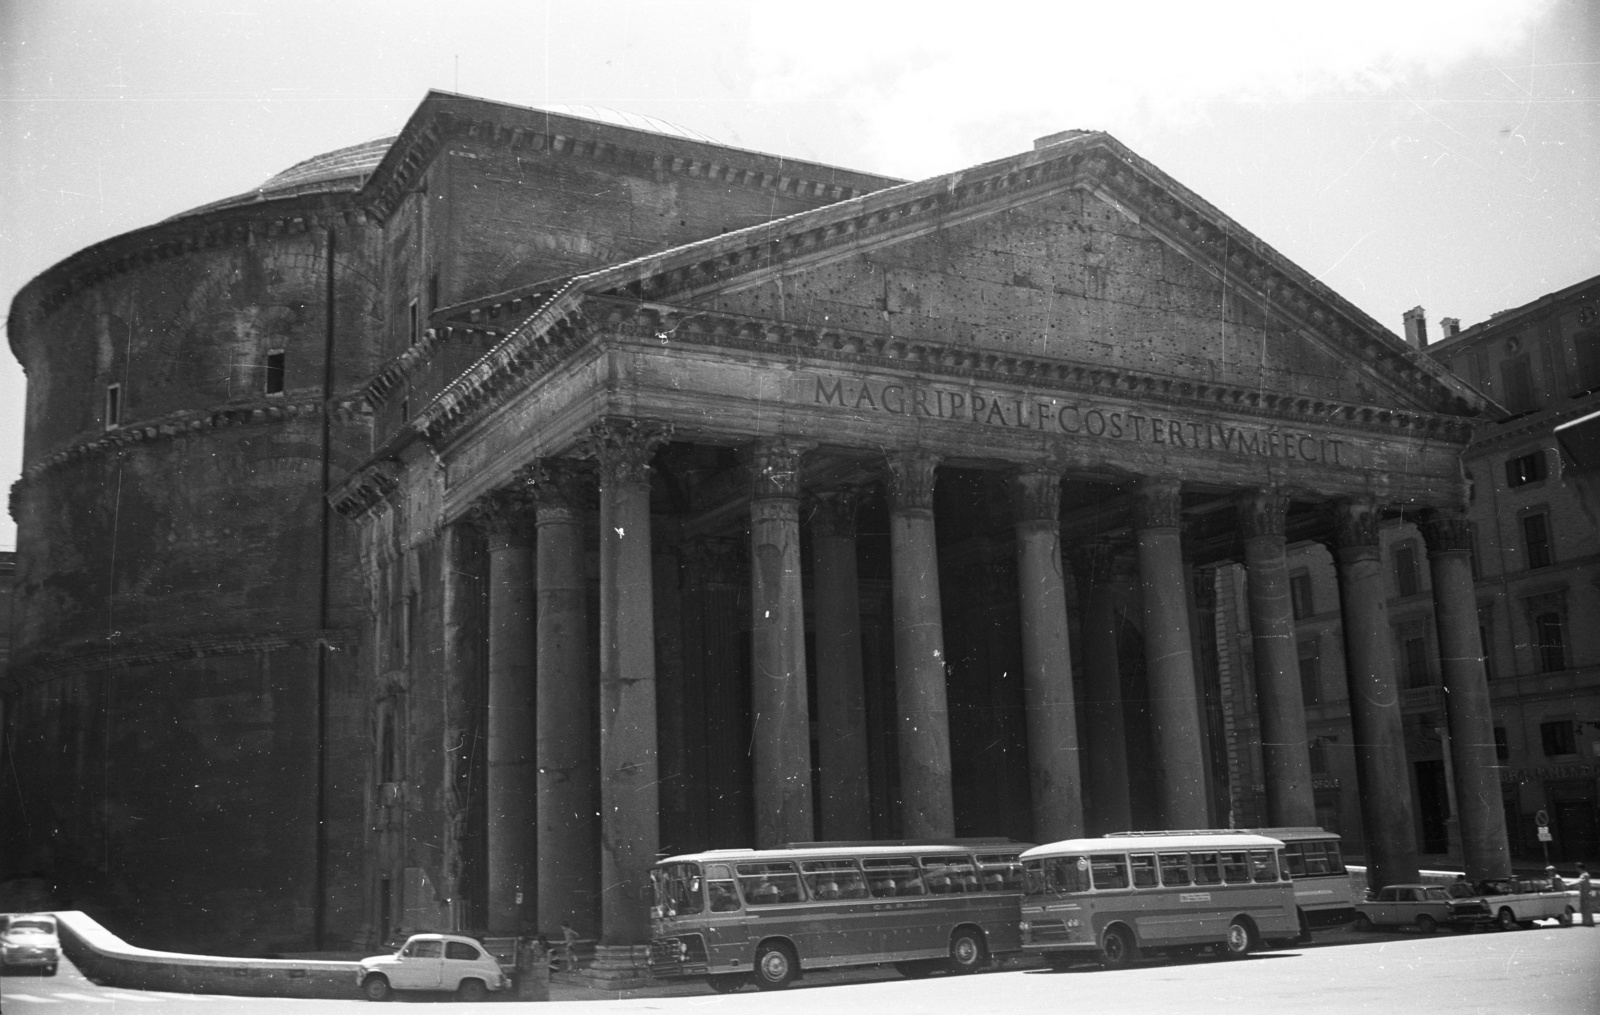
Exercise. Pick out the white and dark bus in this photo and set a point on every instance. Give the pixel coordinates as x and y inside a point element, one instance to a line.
<point>738,916</point>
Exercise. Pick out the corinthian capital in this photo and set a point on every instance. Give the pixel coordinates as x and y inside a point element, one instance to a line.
<point>1446,531</point>
<point>1261,512</point>
<point>505,516</point>
<point>1037,496</point>
<point>775,468</point>
<point>624,447</point>
<point>1158,504</point>
<point>910,481</point>
<point>559,487</point>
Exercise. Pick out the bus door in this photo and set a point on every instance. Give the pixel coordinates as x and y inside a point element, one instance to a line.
<point>839,922</point>
<point>727,937</point>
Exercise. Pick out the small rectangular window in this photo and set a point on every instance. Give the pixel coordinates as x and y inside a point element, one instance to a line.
<point>1414,652</point>
<point>1559,738</point>
<point>1536,539</point>
<point>1405,569</point>
<point>1310,676</point>
<point>416,323</point>
<point>274,383</point>
<point>1502,749</point>
<point>1550,642</point>
<point>113,405</point>
<point>1525,469</point>
<point>1300,594</point>
<point>1318,751</point>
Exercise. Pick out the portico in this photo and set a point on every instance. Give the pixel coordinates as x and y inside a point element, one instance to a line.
<point>846,499</point>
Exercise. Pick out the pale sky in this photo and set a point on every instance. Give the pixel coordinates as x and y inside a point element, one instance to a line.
<point>1409,152</point>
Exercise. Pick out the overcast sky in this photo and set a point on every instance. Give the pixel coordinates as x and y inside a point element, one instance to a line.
<point>1442,154</point>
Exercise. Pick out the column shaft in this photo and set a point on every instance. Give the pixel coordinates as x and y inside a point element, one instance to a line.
<point>1047,661</point>
<point>1485,850</point>
<point>927,805</point>
<point>781,723</point>
<point>1284,744</point>
<point>569,829</point>
<point>841,693</point>
<point>629,799</point>
<point>512,781</point>
<point>1174,705</point>
<point>1381,768</point>
<point>1106,752</point>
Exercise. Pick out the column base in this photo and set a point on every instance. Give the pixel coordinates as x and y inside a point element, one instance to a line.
<point>619,967</point>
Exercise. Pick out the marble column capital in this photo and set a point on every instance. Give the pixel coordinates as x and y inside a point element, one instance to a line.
<point>1036,494</point>
<point>910,477</point>
<point>624,447</point>
<point>833,512</point>
<point>1158,504</point>
<point>1446,531</point>
<point>1261,512</point>
<point>1355,523</point>
<point>774,466</point>
<point>560,488</point>
<point>505,516</point>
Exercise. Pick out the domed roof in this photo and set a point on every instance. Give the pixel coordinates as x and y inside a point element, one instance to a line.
<point>343,169</point>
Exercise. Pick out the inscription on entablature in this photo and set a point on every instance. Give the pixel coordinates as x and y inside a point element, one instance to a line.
<point>1102,421</point>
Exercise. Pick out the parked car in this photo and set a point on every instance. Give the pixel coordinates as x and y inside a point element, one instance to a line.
<point>1425,907</point>
<point>434,962</point>
<point>1520,903</point>
<point>29,940</point>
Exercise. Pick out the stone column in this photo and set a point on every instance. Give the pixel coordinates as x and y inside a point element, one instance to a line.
<point>841,693</point>
<point>1381,768</point>
<point>629,798</point>
<point>1284,745</point>
<point>927,807</point>
<point>1053,772</point>
<point>1106,749</point>
<point>1485,850</point>
<point>1169,655</point>
<point>569,829</point>
<point>462,576</point>
<point>507,517</point>
<point>780,720</point>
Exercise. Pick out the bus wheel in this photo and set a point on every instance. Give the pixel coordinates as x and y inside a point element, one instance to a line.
<point>1116,947</point>
<point>967,953</point>
<point>1426,924</point>
<point>775,966</point>
<point>727,983</point>
<point>1237,944</point>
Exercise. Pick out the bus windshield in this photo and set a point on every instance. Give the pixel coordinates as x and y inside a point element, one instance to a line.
<point>677,889</point>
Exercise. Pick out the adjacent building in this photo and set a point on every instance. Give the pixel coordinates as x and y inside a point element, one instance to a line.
<point>443,532</point>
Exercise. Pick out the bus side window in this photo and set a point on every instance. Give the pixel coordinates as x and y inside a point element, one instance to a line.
<point>1067,873</point>
<point>1174,869</point>
<point>1236,868</point>
<point>1206,870</point>
<point>1144,870</point>
<point>1295,856</point>
<point>885,876</point>
<point>1264,864</point>
<point>1110,872</point>
<point>1316,858</point>
<point>1335,859</point>
<point>724,897</point>
<point>768,884</point>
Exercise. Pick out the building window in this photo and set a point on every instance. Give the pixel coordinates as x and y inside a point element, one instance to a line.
<point>1525,469</point>
<point>113,405</point>
<point>1414,656</point>
<point>1310,674</point>
<point>1502,749</point>
<point>1536,539</point>
<point>1517,375</point>
<point>1559,738</point>
<point>1405,569</point>
<point>416,323</point>
<point>1300,595</point>
<point>1587,344</point>
<point>274,383</point>
<point>1549,642</point>
<point>1318,750</point>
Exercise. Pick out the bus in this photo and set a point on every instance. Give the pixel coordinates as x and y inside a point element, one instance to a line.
<point>1323,894</point>
<point>737,916</point>
<point>1117,897</point>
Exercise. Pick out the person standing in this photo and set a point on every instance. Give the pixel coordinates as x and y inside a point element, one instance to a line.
<point>569,945</point>
<point>1585,899</point>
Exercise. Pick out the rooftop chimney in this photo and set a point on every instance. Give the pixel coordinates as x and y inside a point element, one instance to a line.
<point>1417,327</point>
<point>1449,327</point>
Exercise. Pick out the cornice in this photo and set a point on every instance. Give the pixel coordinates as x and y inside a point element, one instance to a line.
<point>29,669</point>
<point>189,422</point>
<point>366,489</point>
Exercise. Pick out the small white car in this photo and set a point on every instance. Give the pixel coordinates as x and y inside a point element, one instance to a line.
<point>434,962</point>
<point>29,939</point>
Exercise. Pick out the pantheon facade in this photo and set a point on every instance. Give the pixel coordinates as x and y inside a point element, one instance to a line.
<point>441,533</point>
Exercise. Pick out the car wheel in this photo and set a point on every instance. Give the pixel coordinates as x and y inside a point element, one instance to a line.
<point>1565,919</point>
<point>775,966</point>
<point>1117,947</point>
<point>471,990</point>
<point>967,953</point>
<point>1237,944</point>
<point>1427,924</point>
<point>375,988</point>
<point>1363,922</point>
<point>727,983</point>
<point>1507,919</point>
<point>49,970</point>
